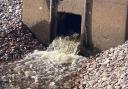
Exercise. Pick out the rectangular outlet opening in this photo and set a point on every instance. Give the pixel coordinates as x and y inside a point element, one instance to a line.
<point>68,24</point>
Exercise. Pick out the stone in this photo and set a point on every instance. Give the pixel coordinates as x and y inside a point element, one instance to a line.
<point>117,87</point>
<point>28,73</point>
<point>110,87</point>
<point>2,34</point>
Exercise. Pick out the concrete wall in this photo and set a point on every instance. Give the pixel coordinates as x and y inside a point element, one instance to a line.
<point>108,19</point>
<point>73,6</point>
<point>36,17</point>
<point>108,23</point>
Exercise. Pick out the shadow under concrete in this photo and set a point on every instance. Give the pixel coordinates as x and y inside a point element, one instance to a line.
<point>40,31</point>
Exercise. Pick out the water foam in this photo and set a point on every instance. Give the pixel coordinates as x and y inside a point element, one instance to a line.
<point>61,50</point>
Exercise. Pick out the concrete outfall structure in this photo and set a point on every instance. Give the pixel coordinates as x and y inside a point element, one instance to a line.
<point>100,21</point>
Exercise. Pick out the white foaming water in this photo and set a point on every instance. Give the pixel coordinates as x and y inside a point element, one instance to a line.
<point>61,50</point>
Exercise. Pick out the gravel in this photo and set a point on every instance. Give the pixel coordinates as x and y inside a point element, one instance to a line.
<point>10,16</point>
<point>15,38</point>
<point>107,70</point>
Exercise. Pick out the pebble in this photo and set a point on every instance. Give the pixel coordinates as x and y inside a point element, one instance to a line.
<point>118,87</point>
<point>28,73</point>
<point>110,87</point>
<point>2,34</point>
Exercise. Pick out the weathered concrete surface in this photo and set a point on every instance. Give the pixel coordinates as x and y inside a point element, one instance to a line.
<point>108,23</point>
<point>72,6</point>
<point>36,17</point>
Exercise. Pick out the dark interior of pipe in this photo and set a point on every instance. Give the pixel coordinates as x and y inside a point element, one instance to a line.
<point>68,24</point>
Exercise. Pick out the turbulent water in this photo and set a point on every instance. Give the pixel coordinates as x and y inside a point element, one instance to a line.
<point>61,50</point>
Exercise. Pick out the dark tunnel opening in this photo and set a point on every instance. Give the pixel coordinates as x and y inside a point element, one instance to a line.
<point>68,24</point>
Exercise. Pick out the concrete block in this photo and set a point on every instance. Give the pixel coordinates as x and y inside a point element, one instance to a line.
<point>108,23</point>
<point>36,17</point>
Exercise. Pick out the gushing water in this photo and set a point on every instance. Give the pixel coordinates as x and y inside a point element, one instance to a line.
<point>65,45</point>
<point>61,50</point>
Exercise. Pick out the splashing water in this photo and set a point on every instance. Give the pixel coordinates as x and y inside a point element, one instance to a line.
<point>61,50</point>
<point>64,45</point>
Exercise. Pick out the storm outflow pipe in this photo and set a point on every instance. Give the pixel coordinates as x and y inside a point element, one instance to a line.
<point>86,32</point>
